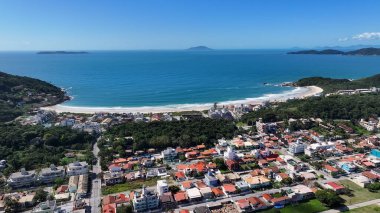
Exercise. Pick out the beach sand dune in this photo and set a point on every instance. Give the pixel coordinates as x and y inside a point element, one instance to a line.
<point>299,92</point>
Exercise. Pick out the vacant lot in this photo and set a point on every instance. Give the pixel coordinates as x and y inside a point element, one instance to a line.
<point>359,194</point>
<point>311,206</point>
<point>128,186</point>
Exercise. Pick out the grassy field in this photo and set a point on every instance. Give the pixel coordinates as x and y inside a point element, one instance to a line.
<point>128,186</point>
<point>311,206</point>
<point>367,209</point>
<point>360,194</point>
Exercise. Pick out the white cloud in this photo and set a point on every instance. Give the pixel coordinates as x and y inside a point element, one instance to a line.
<point>367,36</point>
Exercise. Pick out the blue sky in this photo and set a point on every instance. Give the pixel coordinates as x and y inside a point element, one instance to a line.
<point>178,24</point>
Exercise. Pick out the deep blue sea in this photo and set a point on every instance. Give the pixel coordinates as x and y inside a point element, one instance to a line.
<point>159,78</point>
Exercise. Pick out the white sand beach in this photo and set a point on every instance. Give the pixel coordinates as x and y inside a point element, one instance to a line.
<point>298,92</point>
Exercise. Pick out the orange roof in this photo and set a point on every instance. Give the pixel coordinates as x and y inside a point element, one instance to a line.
<point>182,167</point>
<point>229,187</point>
<point>283,175</point>
<point>279,199</point>
<point>108,199</point>
<point>217,192</point>
<point>180,196</point>
<point>187,184</point>
<point>330,168</point>
<point>179,175</point>
<point>370,175</point>
<point>184,211</point>
<point>109,208</point>
<point>202,146</point>
<point>267,197</point>
<point>120,160</point>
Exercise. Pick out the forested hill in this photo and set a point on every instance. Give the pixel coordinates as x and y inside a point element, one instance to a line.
<point>332,85</point>
<point>362,52</point>
<point>19,94</point>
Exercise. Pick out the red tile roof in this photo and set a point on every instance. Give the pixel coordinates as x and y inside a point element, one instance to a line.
<point>217,192</point>
<point>330,168</point>
<point>229,188</point>
<point>109,208</point>
<point>180,196</point>
<point>335,186</point>
<point>370,175</point>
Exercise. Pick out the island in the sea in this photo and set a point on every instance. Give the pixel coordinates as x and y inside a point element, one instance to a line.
<point>200,48</point>
<point>363,52</point>
<point>62,52</point>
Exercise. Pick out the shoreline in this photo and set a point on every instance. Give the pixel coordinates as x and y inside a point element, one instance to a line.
<point>297,92</point>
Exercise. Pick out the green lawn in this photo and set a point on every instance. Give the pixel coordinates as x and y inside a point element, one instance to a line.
<point>311,206</point>
<point>366,209</point>
<point>128,186</point>
<point>360,194</point>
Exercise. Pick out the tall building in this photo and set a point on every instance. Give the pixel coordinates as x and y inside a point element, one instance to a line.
<point>48,175</point>
<point>22,178</point>
<point>145,200</point>
<point>162,187</point>
<point>77,168</point>
<point>297,147</point>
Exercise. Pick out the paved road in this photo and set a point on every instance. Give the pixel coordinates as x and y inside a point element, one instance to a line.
<point>354,206</point>
<point>96,183</point>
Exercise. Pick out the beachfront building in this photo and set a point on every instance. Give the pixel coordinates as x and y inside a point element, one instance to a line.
<point>48,175</point>
<point>264,128</point>
<point>22,178</point>
<point>77,168</point>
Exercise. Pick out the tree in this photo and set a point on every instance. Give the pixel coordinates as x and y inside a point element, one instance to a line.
<point>220,163</point>
<point>287,181</point>
<point>373,187</point>
<point>174,189</point>
<point>40,196</point>
<point>329,197</point>
<point>11,205</point>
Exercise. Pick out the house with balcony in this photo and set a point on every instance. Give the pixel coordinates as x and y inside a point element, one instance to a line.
<point>48,175</point>
<point>22,178</point>
<point>77,168</point>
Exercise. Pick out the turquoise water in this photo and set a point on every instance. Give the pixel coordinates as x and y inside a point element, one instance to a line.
<point>159,78</point>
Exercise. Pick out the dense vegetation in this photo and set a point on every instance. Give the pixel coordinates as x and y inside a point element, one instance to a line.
<point>350,107</point>
<point>332,85</point>
<point>161,134</point>
<point>19,94</point>
<point>33,147</point>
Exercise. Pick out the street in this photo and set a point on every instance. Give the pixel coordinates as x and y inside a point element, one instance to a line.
<point>95,199</point>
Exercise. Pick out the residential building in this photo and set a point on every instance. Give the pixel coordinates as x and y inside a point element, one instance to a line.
<point>169,154</point>
<point>77,168</point>
<point>111,178</point>
<point>162,187</point>
<point>211,180</point>
<point>257,181</point>
<point>194,194</point>
<point>297,147</point>
<point>167,201</point>
<point>338,188</point>
<point>145,200</point>
<point>48,175</point>
<point>22,178</point>
<point>361,181</point>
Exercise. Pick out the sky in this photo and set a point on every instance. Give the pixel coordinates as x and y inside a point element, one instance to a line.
<point>179,24</point>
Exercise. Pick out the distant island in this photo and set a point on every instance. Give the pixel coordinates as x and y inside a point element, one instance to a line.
<point>197,48</point>
<point>62,52</point>
<point>363,52</point>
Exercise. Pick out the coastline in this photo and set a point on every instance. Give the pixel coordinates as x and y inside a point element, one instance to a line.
<point>298,92</point>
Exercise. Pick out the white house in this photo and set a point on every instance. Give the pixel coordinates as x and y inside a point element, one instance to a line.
<point>77,168</point>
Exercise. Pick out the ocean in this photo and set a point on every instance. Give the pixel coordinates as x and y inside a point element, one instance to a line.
<point>171,78</point>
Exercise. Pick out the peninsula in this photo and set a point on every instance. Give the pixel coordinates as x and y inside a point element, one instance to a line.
<point>362,52</point>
